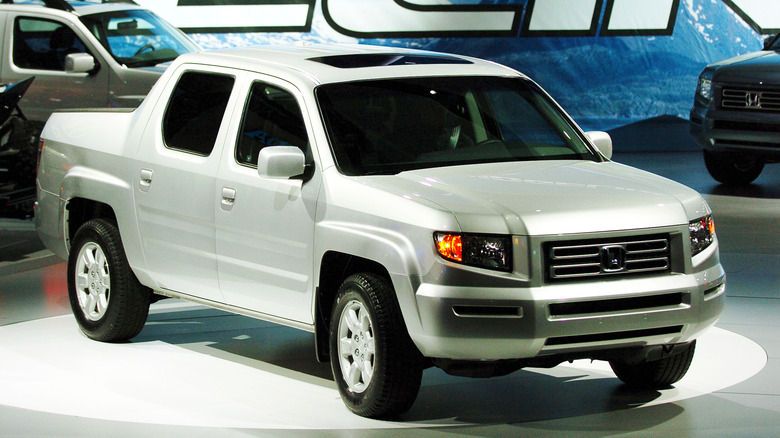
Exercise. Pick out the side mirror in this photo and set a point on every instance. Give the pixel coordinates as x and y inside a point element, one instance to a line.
<point>602,141</point>
<point>79,63</point>
<point>281,162</point>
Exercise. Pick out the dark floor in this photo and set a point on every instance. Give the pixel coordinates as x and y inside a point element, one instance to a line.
<point>211,381</point>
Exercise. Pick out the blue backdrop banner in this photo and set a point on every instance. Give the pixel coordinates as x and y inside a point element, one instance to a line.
<point>608,62</point>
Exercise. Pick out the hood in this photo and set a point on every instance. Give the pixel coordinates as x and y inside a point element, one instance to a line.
<point>550,197</point>
<point>157,69</point>
<point>752,68</point>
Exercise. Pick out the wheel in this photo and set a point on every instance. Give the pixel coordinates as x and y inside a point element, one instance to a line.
<point>107,300</point>
<point>656,374</point>
<point>458,140</point>
<point>376,366</point>
<point>732,169</point>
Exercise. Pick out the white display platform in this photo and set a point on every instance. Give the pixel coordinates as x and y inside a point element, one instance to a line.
<point>199,367</point>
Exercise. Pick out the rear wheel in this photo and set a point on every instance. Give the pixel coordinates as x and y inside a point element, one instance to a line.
<point>732,169</point>
<point>376,366</point>
<point>107,300</point>
<point>655,374</point>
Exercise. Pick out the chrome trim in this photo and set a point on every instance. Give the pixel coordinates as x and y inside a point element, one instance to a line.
<point>749,99</point>
<point>595,257</point>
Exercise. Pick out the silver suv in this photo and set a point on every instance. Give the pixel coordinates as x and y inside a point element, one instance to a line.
<point>736,114</point>
<point>84,54</point>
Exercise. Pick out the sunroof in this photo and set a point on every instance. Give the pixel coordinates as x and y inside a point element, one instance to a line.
<point>382,59</point>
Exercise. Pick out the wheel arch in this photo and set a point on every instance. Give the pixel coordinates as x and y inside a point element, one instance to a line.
<point>335,267</point>
<point>91,194</point>
<point>88,193</point>
<point>80,210</point>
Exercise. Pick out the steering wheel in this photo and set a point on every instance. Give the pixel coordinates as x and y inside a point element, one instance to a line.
<point>143,49</point>
<point>490,142</point>
<point>458,140</point>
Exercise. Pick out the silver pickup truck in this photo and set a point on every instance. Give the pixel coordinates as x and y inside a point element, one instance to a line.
<point>411,209</point>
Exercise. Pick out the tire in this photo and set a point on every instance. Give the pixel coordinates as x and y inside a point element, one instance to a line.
<point>366,324</point>
<point>657,374</point>
<point>732,169</point>
<point>109,303</point>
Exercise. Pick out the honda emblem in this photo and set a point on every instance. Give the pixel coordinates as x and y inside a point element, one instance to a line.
<point>753,100</point>
<point>613,258</point>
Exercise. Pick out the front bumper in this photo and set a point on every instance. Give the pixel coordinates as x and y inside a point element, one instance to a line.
<point>725,131</point>
<point>496,323</point>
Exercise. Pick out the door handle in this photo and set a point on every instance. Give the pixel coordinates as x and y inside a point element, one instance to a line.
<point>228,197</point>
<point>146,179</point>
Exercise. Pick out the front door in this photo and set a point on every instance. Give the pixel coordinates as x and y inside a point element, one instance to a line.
<point>265,226</point>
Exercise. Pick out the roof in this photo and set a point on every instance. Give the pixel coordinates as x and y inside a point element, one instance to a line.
<point>340,63</point>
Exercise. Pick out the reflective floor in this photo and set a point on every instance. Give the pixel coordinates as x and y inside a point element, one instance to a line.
<point>196,372</point>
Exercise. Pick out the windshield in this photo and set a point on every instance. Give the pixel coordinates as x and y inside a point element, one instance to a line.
<point>389,126</point>
<point>138,38</point>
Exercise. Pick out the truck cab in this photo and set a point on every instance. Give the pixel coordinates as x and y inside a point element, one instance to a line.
<point>84,54</point>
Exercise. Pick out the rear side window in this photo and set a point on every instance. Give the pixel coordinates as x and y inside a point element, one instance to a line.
<point>43,44</point>
<point>195,112</point>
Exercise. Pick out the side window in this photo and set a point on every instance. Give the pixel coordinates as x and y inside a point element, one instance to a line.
<point>43,44</point>
<point>194,114</point>
<point>272,117</point>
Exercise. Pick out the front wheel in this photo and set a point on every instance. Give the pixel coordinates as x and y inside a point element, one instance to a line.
<point>732,169</point>
<point>376,366</point>
<point>107,300</point>
<point>655,374</point>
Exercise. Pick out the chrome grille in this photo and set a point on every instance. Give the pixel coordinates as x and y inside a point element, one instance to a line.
<point>754,100</point>
<point>595,258</point>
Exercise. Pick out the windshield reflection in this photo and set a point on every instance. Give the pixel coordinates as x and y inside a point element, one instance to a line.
<point>391,126</point>
<point>138,38</point>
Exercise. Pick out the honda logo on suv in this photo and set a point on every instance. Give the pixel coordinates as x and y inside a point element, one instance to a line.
<point>613,258</point>
<point>753,100</point>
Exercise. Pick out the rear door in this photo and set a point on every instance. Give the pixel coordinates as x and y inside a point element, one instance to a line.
<point>175,183</point>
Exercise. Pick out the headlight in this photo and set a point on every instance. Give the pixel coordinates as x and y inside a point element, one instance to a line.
<point>702,234</point>
<point>481,250</point>
<point>704,89</point>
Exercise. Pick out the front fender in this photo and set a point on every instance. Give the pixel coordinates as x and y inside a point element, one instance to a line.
<point>406,256</point>
<point>393,250</point>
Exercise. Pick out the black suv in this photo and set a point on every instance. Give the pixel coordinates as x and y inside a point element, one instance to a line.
<point>736,114</point>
